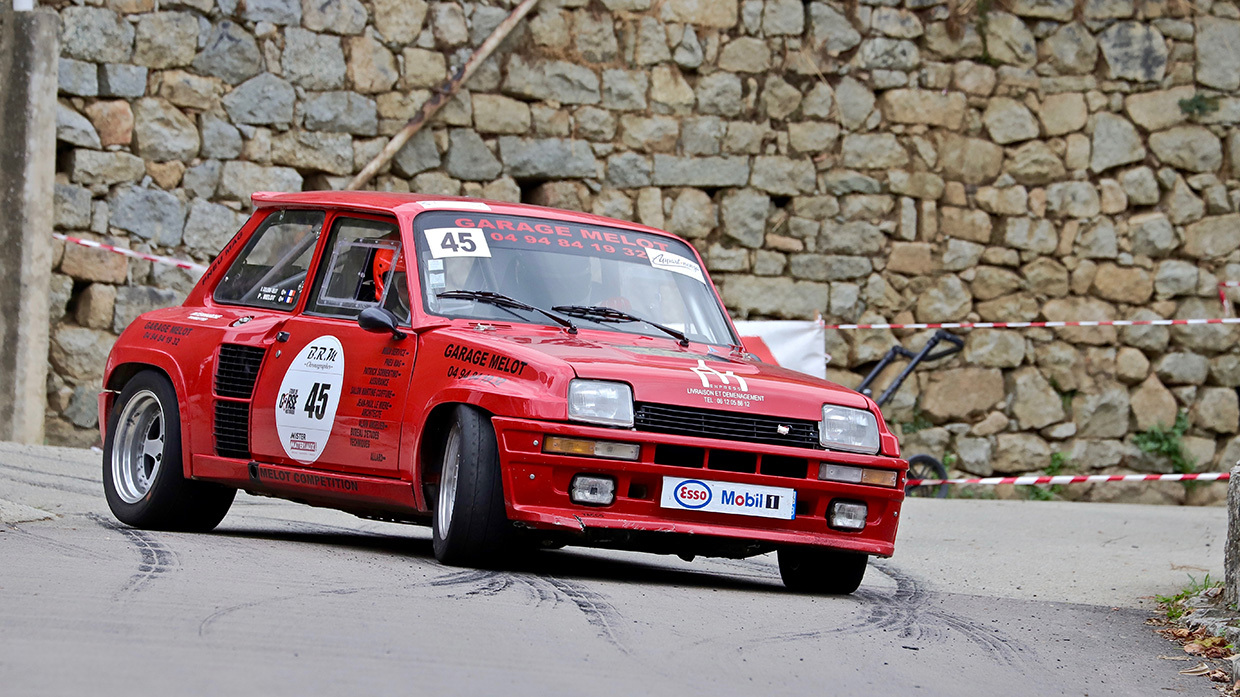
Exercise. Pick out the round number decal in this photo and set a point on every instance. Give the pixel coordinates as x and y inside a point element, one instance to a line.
<point>309,394</point>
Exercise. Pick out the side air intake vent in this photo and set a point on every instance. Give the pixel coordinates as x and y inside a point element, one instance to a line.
<point>232,429</point>
<point>237,370</point>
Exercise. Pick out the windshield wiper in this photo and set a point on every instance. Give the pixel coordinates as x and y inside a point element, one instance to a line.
<point>501,300</point>
<point>608,314</point>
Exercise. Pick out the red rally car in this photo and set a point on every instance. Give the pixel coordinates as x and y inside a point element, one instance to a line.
<point>513,376</point>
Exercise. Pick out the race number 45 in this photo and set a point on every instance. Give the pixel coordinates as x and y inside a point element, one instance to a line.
<point>457,242</point>
<point>316,402</point>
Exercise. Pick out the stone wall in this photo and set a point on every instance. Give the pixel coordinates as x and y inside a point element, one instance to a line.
<point>891,160</point>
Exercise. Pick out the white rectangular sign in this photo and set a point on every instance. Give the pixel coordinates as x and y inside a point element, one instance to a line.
<point>729,497</point>
<point>792,344</point>
<point>457,242</point>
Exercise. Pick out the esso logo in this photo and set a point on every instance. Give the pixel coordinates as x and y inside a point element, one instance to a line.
<point>692,494</point>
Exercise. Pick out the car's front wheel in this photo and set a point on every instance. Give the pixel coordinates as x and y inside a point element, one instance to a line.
<point>143,478</point>
<point>470,526</point>
<point>822,571</point>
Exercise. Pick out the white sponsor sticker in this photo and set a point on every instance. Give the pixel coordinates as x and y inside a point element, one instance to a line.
<point>309,395</point>
<point>675,263</point>
<point>203,316</point>
<point>456,205</point>
<point>729,497</point>
<point>457,242</point>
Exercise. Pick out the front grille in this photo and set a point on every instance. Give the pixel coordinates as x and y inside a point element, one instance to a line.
<point>232,429</point>
<point>237,370</point>
<point>725,425</point>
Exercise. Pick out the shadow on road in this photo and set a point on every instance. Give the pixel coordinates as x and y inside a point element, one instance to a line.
<point>581,565</point>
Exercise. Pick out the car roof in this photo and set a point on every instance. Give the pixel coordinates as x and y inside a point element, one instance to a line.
<point>397,202</point>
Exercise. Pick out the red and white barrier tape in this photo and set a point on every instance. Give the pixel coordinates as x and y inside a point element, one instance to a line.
<point>131,253</point>
<point>1078,479</point>
<point>1024,325</point>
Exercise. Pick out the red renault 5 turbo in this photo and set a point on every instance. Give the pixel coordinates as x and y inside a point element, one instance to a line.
<point>513,376</point>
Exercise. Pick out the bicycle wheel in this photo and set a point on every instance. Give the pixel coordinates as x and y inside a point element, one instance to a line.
<point>926,467</point>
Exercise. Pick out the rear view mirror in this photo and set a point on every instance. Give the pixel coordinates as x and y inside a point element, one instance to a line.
<point>379,320</point>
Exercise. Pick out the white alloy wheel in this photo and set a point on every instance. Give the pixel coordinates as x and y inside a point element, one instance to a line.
<point>139,450</point>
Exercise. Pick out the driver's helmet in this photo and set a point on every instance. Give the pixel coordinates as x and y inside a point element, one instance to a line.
<point>385,261</point>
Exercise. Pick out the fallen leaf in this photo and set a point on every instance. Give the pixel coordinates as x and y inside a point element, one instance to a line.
<point>1218,676</point>
<point>1194,648</point>
<point>1199,669</point>
<point>1175,658</point>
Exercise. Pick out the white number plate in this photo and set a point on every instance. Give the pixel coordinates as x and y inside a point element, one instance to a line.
<point>729,497</point>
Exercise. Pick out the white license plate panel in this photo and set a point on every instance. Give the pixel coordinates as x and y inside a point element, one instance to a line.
<point>689,494</point>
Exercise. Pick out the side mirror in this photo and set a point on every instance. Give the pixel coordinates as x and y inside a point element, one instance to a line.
<point>380,320</point>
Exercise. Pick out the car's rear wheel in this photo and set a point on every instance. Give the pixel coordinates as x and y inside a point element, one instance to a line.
<point>822,571</point>
<point>471,526</point>
<point>143,478</point>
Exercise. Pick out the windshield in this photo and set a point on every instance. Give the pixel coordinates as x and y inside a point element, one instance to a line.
<point>550,264</point>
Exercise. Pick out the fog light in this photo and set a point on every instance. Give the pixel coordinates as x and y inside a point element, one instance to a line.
<point>846,515</point>
<point>592,490</point>
<point>595,448</point>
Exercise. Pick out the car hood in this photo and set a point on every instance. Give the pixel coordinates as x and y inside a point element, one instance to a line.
<point>661,371</point>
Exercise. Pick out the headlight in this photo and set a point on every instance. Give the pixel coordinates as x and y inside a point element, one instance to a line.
<point>600,402</point>
<point>851,430</point>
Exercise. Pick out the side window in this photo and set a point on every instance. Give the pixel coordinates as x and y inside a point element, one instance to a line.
<point>271,271</point>
<point>363,269</point>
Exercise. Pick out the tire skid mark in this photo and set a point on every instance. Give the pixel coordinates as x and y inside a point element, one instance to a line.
<point>599,612</point>
<point>156,558</point>
<point>212,618</point>
<point>909,611</point>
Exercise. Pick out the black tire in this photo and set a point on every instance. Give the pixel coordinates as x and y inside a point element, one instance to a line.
<point>144,481</point>
<point>470,526</point>
<point>926,467</point>
<point>821,571</point>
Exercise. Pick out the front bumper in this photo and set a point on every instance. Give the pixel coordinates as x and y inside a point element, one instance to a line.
<point>536,489</point>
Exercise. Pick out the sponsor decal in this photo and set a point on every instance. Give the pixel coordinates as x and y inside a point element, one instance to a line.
<point>676,264</point>
<point>309,395</point>
<point>203,316</point>
<point>732,389</point>
<point>476,359</point>
<point>164,333</point>
<point>270,474</point>
<point>729,497</point>
<point>692,494</point>
<point>456,205</point>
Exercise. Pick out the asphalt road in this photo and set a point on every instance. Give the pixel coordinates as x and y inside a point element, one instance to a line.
<point>982,598</point>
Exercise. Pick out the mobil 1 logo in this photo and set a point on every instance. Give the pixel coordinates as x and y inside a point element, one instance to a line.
<point>729,497</point>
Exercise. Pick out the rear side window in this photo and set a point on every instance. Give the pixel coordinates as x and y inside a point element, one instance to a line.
<point>363,268</point>
<point>271,271</point>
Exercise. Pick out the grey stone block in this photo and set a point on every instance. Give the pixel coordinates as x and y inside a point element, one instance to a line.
<point>122,80</point>
<point>230,54</point>
<point>77,78</point>
<point>150,214</point>
<point>265,99</point>
<point>552,158</point>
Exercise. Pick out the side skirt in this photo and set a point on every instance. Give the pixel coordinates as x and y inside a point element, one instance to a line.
<point>365,496</point>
